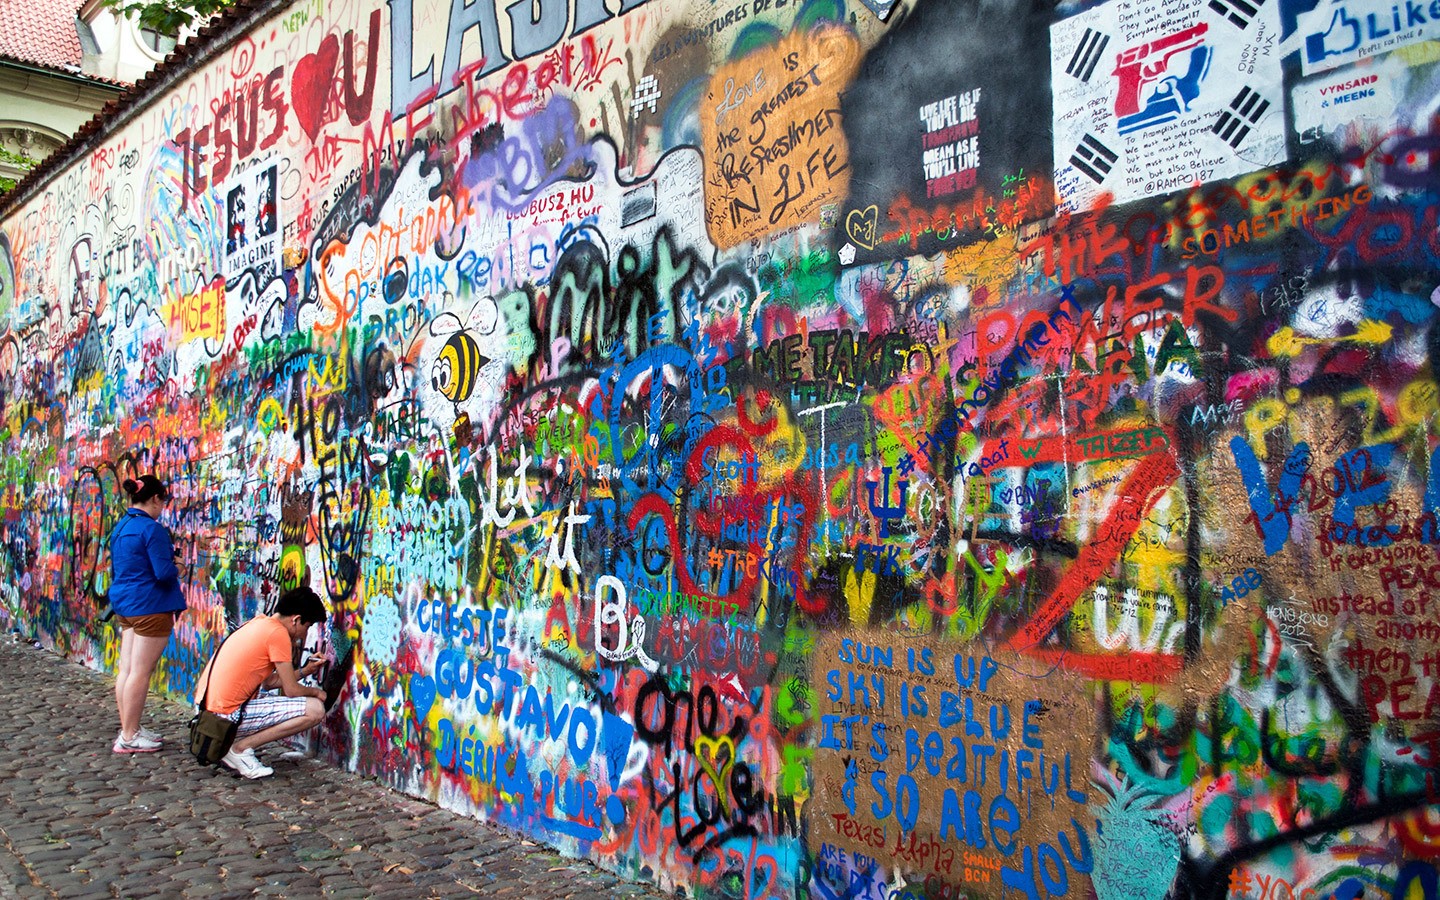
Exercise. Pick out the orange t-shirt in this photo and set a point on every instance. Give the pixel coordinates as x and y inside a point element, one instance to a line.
<point>244,662</point>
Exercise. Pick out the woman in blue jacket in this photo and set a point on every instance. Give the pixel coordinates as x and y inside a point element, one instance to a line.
<point>145,595</point>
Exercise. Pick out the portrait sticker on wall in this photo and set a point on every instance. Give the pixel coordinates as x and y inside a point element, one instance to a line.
<point>1150,99</point>
<point>252,231</point>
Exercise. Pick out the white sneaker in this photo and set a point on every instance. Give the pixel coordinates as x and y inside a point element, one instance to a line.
<point>137,744</point>
<point>245,764</point>
<point>149,735</point>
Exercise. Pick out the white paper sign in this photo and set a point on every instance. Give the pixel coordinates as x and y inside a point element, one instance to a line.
<point>1155,97</point>
<point>1340,32</point>
<point>1338,99</point>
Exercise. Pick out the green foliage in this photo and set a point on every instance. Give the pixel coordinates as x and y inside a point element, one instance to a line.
<point>18,159</point>
<point>167,16</point>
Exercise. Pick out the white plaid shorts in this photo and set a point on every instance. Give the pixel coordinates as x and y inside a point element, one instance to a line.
<point>266,710</point>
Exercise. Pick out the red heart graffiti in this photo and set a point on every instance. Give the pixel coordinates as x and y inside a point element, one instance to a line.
<point>311,84</point>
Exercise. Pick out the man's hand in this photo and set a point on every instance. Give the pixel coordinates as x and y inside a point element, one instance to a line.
<point>318,694</point>
<point>313,665</point>
<point>290,680</point>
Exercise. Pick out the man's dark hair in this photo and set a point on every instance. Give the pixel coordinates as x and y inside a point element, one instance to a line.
<point>302,602</point>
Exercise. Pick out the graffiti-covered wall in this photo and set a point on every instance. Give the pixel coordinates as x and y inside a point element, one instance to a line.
<point>787,448</point>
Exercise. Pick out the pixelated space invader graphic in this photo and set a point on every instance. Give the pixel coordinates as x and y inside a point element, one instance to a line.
<point>647,93</point>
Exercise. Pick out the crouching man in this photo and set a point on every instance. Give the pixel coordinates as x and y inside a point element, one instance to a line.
<point>261,654</point>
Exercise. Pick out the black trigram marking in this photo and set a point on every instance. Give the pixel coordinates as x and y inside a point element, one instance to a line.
<point>1240,12</point>
<point>1093,158</point>
<point>1092,45</point>
<point>1245,110</point>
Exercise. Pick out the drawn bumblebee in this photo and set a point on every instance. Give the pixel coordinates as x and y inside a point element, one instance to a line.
<point>502,327</point>
<point>455,370</point>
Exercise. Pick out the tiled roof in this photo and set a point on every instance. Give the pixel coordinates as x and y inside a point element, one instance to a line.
<point>41,33</point>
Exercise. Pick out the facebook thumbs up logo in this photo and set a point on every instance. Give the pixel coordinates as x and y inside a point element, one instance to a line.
<point>1340,38</point>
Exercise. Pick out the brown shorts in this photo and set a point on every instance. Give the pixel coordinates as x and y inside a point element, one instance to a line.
<point>153,625</point>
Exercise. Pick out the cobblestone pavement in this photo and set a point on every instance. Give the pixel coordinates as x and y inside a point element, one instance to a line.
<point>79,821</point>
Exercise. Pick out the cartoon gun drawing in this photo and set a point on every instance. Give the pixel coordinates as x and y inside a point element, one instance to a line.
<point>1140,67</point>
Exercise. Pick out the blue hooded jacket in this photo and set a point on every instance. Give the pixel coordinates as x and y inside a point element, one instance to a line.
<point>144,579</point>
